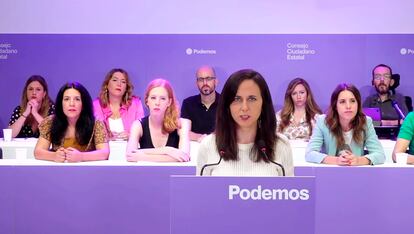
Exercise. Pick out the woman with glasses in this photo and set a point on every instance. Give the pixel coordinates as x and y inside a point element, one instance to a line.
<point>116,107</point>
<point>297,117</point>
<point>342,135</point>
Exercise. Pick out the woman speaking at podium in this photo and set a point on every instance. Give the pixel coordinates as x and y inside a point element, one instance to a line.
<point>245,142</point>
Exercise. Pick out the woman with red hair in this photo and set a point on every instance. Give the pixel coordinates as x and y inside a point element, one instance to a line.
<point>161,136</point>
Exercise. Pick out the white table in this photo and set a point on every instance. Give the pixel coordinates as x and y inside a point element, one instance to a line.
<point>9,147</point>
<point>118,148</point>
<point>299,149</point>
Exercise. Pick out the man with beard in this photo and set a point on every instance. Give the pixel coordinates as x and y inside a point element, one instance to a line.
<point>382,81</point>
<point>201,109</point>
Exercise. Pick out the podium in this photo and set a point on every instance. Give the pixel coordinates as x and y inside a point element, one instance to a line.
<point>242,205</point>
<point>66,199</point>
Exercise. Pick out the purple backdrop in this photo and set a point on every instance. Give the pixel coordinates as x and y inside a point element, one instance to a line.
<point>327,60</point>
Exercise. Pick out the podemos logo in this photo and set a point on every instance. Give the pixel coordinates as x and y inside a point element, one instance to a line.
<point>192,51</point>
<point>406,51</point>
<point>267,194</point>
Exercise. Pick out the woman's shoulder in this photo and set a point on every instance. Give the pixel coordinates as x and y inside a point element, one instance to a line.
<point>46,123</point>
<point>369,119</point>
<point>279,112</point>
<point>99,123</point>
<point>48,119</point>
<point>133,104</point>
<point>52,109</point>
<point>96,102</point>
<point>320,120</point>
<point>135,99</point>
<point>410,116</point>
<point>282,139</point>
<point>17,109</point>
<point>209,139</point>
<point>320,116</point>
<point>316,116</point>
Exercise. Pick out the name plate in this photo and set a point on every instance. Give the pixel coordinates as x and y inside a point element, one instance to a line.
<point>242,204</point>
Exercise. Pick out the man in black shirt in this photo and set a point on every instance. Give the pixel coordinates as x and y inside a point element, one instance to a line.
<point>201,109</point>
<point>382,81</point>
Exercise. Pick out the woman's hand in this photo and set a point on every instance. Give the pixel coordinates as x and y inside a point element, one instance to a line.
<point>73,155</point>
<point>342,161</point>
<point>134,156</point>
<point>120,135</point>
<point>358,161</point>
<point>28,110</point>
<point>177,154</point>
<point>60,155</point>
<point>344,158</point>
<point>35,106</point>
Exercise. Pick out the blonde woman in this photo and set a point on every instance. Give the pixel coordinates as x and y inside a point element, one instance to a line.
<point>116,107</point>
<point>35,105</point>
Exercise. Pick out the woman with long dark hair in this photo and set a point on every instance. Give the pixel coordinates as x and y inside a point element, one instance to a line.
<point>73,133</point>
<point>342,136</point>
<point>245,140</point>
<point>297,117</point>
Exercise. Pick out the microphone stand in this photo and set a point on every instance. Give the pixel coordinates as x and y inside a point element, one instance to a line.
<point>263,150</point>
<point>401,116</point>
<point>212,164</point>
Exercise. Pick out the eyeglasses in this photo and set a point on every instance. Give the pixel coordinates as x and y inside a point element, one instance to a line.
<point>385,76</point>
<point>202,79</point>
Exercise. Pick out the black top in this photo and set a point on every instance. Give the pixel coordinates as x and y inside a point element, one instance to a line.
<point>203,120</point>
<point>387,110</point>
<point>145,141</point>
<point>26,130</point>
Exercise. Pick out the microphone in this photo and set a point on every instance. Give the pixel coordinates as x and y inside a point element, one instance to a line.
<point>398,109</point>
<point>262,147</point>
<point>342,150</point>
<point>221,152</point>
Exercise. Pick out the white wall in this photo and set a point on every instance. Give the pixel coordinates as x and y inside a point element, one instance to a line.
<point>212,16</point>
